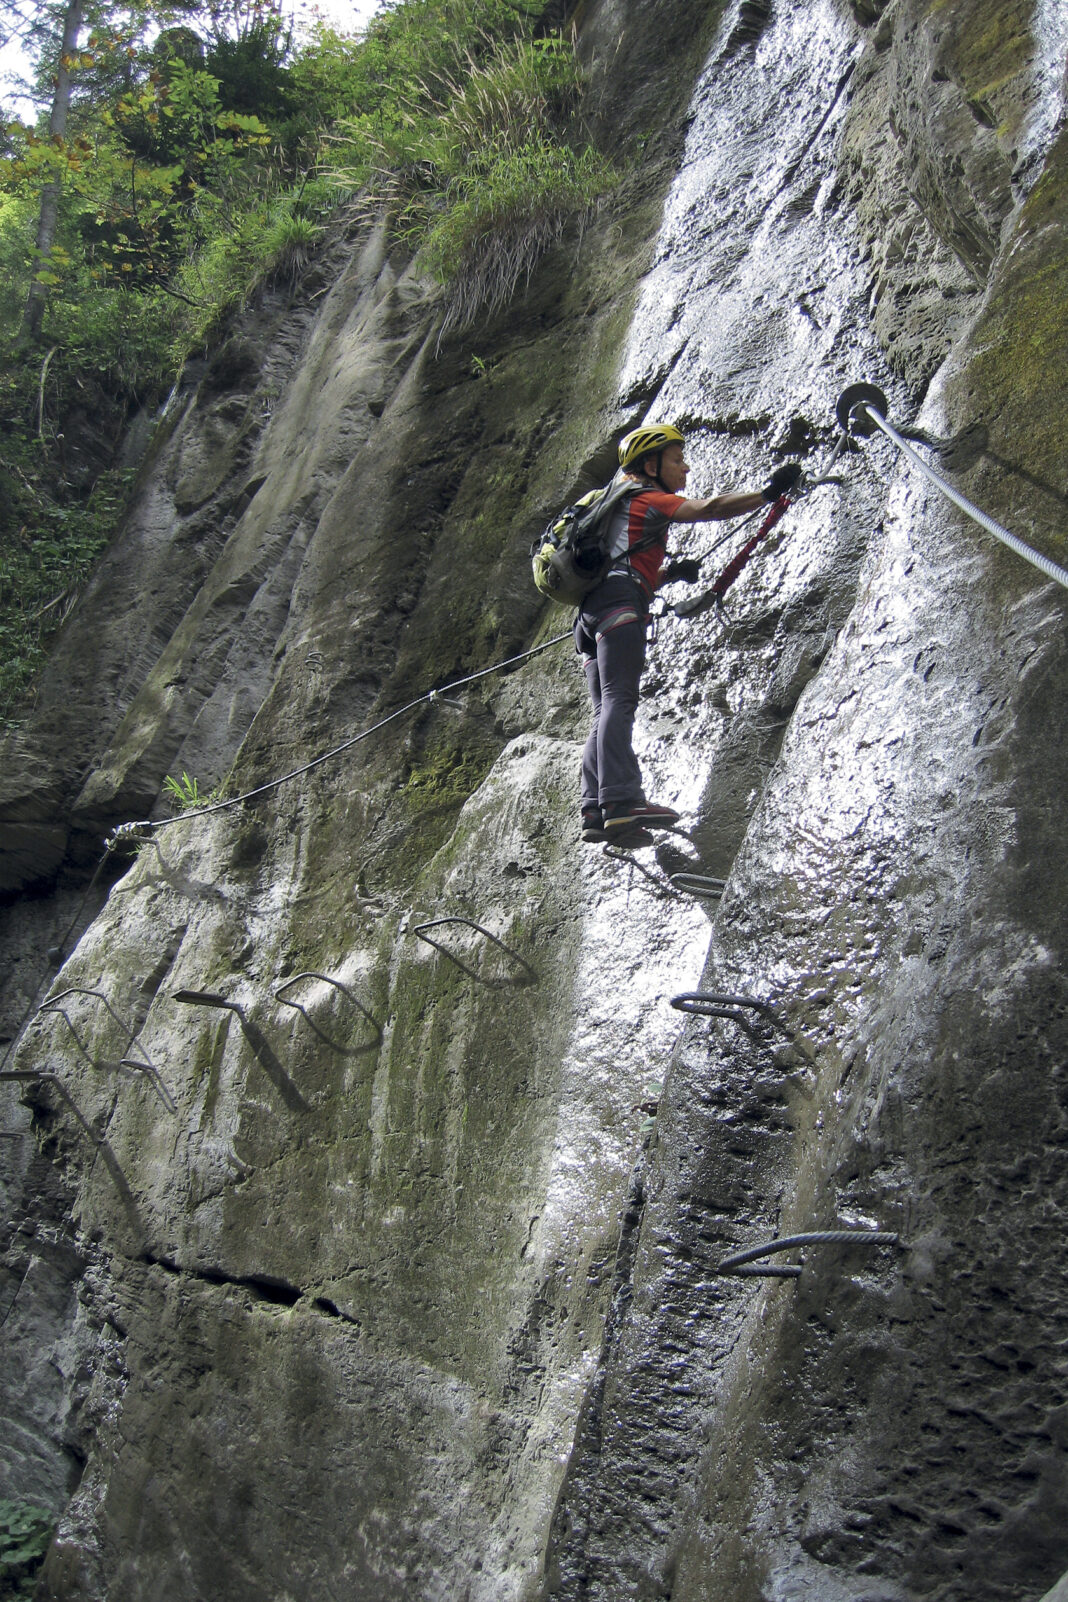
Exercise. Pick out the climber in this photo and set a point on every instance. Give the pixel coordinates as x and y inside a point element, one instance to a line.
<point>610,629</point>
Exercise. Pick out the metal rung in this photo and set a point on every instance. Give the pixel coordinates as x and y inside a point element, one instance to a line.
<point>714,1004</point>
<point>147,1067</point>
<point>257,1041</point>
<point>620,854</point>
<point>208,998</point>
<point>152,1076</point>
<point>697,884</point>
<point>52,1005</point>
<point>313,1026</point>
<point>826,1237</point>
<point>419,929</point>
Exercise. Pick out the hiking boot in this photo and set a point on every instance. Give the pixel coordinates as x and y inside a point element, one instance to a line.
<point>593,825</point>
<point>638,815</point>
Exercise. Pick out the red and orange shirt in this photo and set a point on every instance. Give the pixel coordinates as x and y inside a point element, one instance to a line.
<point>646,515</point>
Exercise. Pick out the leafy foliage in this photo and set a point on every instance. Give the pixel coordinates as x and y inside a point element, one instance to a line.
<point>185,794</point>
<point>477,155</point>
<point>25,1533</point>
<point>48,547</point>
<point>194,170</point>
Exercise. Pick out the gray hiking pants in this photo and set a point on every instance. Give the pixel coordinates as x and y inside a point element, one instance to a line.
<point>610,637</point>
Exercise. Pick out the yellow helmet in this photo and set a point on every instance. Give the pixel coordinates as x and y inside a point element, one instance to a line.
<point>642,442</point>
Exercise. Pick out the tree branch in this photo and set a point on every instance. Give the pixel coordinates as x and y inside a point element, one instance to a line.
<point>40,392</point>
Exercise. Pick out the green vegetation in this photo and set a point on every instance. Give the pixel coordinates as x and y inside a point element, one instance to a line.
<point>478,158</point>
<point>185,794</point>
<point>48,547</point>
<point>190,154</point>
<point>447,777</point>
<point>25,1533</point>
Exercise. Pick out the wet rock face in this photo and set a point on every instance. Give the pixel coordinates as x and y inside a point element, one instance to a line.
<point>320,1205</point>
<point>883,1427</point>
<point>939,139</point>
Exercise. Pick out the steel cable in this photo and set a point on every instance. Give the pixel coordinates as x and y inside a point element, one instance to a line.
<point>130,831</point>
<point>1014,543</point>
<point>154,824</point>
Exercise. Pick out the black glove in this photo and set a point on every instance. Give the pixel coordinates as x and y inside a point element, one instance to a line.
<point>688,569</point>
<point>782,481</point>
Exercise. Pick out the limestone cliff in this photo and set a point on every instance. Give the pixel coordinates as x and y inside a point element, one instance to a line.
<point>341,1264</point>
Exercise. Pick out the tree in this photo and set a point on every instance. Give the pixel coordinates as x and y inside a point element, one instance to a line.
<point>67,74</point>
<point>73,17</point>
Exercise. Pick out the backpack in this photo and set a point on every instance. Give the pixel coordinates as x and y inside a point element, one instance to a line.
<point>571,557</point>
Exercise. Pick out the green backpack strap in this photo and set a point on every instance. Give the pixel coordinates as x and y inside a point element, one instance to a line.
<point>561,571</point>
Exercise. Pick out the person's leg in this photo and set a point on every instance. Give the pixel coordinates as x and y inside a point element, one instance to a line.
<point>619,630</point>
<point>620,660</point>
<point>610,635</point>
<point>590,795</point>
<point>586,646</point>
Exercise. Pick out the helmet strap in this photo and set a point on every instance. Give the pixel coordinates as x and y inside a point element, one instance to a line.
<point>656,476</point>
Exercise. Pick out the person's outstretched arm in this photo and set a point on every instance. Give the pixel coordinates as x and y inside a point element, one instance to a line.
<point>717,508</point>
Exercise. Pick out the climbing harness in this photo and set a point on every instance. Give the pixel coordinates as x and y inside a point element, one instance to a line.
<point>616,619</point>
<point>863,407</point>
